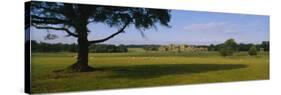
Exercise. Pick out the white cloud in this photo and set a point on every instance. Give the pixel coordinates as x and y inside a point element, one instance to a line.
<point>211,27</point>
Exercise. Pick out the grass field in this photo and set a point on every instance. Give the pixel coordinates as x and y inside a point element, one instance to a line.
<point>138,68</point>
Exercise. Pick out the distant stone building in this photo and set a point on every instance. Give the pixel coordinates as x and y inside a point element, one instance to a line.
<point>180,48</point>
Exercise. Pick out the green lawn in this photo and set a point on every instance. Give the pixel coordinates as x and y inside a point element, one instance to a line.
<point>143,69</point>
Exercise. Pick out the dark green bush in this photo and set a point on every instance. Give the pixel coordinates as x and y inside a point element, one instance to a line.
<point>228,48</point>
<point>253,51</point>
<point>226,51</point>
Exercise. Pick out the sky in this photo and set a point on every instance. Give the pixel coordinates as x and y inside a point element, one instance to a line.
<point>187,27</point>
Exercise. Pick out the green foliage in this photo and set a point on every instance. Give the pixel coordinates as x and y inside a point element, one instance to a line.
<point>253,51</point>
<point>244,47</point>
<point>211,47</point>
<point>47,47</point>
<point>151,47</point>
<point>63,16</point>
<point>103,48</point>
<point>228,48</point>
<point>72,48</point>
<point>58,47</point>
<point>226,51</point>
<point>231,43</point>
<point>265,45</point>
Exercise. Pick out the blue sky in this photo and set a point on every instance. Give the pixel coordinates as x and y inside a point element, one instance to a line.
<point>188,27</point>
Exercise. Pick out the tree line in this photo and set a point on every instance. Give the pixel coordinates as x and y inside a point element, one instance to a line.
<point>229,47</point>
<point>59,47</point>
<point>226,48</point>
<point>240,46</point>
<point>264,45</point>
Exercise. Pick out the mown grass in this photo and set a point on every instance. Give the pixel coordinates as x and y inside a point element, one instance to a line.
<point>142,69</point>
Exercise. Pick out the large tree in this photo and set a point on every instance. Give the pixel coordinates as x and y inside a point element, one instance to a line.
<point>228,48</point>
<point>74,19</point>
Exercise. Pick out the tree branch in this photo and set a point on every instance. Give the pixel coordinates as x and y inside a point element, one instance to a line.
<point>48,20</point>
<point>56,28</point>
<point>111,36</point>
<point>47,9</point>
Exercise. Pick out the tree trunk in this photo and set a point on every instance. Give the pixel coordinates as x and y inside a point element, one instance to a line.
<point>82,60</point>
<point>83,49</point>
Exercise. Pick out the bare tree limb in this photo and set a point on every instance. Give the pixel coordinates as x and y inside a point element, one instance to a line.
<point>111,36</point>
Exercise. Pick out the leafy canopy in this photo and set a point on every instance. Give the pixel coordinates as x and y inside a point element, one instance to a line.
<point>228,48</point>
<point>72,18</point>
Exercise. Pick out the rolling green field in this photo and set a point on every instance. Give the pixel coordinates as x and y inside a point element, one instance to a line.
<point>138,68</point>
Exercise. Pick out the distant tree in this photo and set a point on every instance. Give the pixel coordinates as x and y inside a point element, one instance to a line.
<point>224,51</point>
<point>211,47</point>
<point>151,47</point>
<point>231,43</point>
<point>107,48</point>
<point>122,48</point>
<point>74,19</point>
<point>265,45</point>
<point>218,47</point>
<point>72,48</point>
<point>244,47</point>
<point>253,51</point>
<point>228,48</point>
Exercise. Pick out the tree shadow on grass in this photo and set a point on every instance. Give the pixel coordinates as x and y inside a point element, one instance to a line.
<point>157,70</point>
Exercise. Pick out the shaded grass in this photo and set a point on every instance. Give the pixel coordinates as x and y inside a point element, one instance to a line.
<point>158,70</point>
<point>141,70</point>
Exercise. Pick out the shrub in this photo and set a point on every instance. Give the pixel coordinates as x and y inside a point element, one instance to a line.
<point>253,51</point>
<point>226,51</point>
